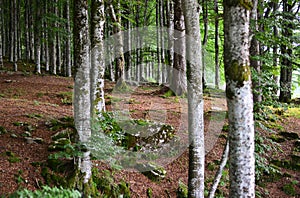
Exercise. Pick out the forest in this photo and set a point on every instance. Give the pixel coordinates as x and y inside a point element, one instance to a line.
<point>149,98</point>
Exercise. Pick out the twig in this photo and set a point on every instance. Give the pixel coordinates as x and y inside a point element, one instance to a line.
<point>219,172</point>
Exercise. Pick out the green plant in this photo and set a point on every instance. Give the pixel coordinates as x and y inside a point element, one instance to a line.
<point>290,189</point>
<point>262,146</point>
<point>47,192</point>
<point>66,97</point>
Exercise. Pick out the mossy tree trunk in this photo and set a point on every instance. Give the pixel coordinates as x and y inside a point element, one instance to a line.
<point>195,99</point>
<point>239,98</point>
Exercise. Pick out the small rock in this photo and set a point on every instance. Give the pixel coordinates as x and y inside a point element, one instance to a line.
<point>152,171</point>
<point>13,135</point>
<point>29,140</point>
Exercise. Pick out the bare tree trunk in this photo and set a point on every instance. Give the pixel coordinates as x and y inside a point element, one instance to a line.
<point>15,35</point>
<point>217,66</point>
<point>53,57</point>
<point>68,41</point>
<point>97,57</point>
<point>286,69</point>
<point>82,103</point>
<point>239,98</point>
<point>37,35</point>
<point>195,100</point>
<point>170,25</point>
<point>179,85</point>
<point>158,46</point>
<point>119,55</point>
<point>254,51</point>
<point>1,32</point>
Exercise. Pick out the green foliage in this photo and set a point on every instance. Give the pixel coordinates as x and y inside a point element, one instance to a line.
<point>47,192</point>
<point>2,130</point>
<point>66,97</point>
<point>264,145</point>
<point>12,157</point>
<point>290,189</point>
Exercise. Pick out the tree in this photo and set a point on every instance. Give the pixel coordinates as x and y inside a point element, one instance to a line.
<point>82,103</point>
<point>217,66</point>
<point>97,56</point>
<point>1,49</point>
<point>286,68</point>
<point>178,85</point>
<point>239,98</point>
<point>195,99</point>
<point>37,35</point>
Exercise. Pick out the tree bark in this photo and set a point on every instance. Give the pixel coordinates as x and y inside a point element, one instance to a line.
<point>97,57</point>
<point>239,98</point>
<point>254,52</point>
<point>178,85</point>
<point>217,66</point>
<point>286,51</point>
<point>118,40</point>
<point>82,103</point>
<point>37,35</point>
<point>1,49</point>
<point>68,41</point>
<point>195,100</point>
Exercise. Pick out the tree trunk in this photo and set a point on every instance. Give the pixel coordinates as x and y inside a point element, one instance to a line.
<point>239,98</point>
<point>1,32</point>
<point>217,66</point>
<point>68,41</point>
<point>170,25</point>
<point>178,85</point>
<point>97,57</point>
<point>15,35</point>
<point>158,46</point>
<point>53,57</point>
<point>195,100</point>
<point>82,103</point>
<point>118,41</point>
<point>37,35</point>
<point>286,51</point>
<point>254,52</point>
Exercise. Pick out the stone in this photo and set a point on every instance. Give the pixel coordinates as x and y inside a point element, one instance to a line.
<point>153,171</point>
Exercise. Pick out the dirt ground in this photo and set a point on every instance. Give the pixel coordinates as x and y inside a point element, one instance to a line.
<point>32,100</point>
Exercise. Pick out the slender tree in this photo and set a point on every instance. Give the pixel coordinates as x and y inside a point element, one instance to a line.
<point>286,68</point>
<point>37,36</point>
<point>254,52</point>
<point>239,98</point>
<point>195,100</point>
<point>82,103</point>
<point>97,56</point>
<point>179,65</point>
<point>217,65</point>
<point>114,11</point>
<point>1,49</point>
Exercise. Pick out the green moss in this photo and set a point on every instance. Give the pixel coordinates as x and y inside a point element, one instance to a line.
<point>182,191</point>
<point>238,73</point>
<point>247,4</point>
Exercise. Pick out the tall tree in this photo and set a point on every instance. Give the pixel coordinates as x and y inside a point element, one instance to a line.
<point>195,99</point>
<point>68,70</point>
<point>1,49</point>
<point>239,98</point>
<point>254,52</point>
<point>97,56</point>
<point>286,68</point>
<point>179,63</point>
<point>82,103</point>
<point>37,36</point>
<point>114,10</point>
<point>217,65</point>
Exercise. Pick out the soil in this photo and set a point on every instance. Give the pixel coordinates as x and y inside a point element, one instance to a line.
<point>32,100</point>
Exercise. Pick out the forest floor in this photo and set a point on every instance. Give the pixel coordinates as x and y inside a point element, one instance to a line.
<point>28,102</point>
